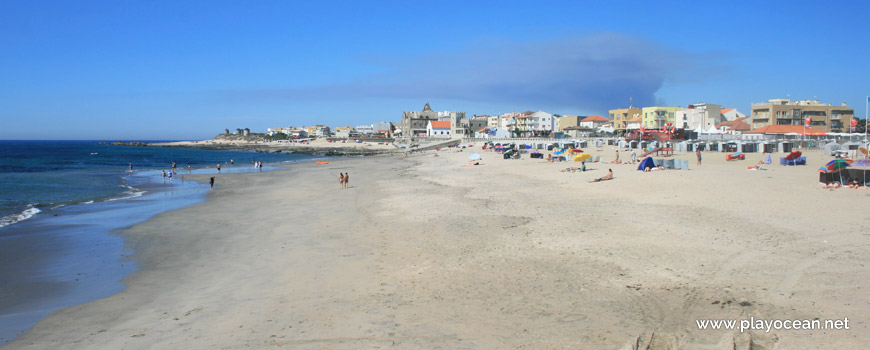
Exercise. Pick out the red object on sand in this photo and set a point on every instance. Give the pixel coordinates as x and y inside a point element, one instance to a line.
<point>576,150</point>
<point>793,155</point>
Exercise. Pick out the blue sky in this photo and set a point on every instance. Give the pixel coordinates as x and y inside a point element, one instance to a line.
<point>187,70</point>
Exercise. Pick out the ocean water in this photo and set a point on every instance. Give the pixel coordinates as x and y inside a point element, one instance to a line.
<point>39,175</point>
<point>61,201</point>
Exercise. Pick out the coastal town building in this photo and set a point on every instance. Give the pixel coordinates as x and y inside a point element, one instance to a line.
<point>273,131</point>
<point>656,117</point>
<point>577,131</point>
<point>621,116</point>
<point>364,129</point>
<point>459,125</point>
<point>731,114</point>
<point>415,123</point>
<point>537,123</point>
<point>634,123</point>
<point>440,129</point>
<point>734,127</point>
<point>782,111</point>
<point>317,130</point>
<point>345,131</point>
<point>778,131</point>
<point>567,121</point>
<point>594,122</point>
<point>699,116</point>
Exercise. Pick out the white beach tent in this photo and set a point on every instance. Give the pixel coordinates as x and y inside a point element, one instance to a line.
<point>713,130</point>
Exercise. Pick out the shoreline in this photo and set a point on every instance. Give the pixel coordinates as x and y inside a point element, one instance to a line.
<point>422,252</point>
<point>71,254</point>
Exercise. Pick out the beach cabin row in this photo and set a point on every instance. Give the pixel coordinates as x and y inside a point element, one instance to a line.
<point>736,146</point>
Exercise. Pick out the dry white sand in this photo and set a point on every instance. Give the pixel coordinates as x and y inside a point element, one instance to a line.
<point>422,252</point>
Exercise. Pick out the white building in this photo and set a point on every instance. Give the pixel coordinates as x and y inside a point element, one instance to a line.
<point>594,122</point>
<point>541,122</point>
<point>438,129</point>
<point>731,114</point>
<point>365,129</point>
<point>699,115</point>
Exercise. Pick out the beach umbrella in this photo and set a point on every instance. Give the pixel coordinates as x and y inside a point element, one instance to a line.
<point>474,156</point>
<point>837,164</point>
<point>582,157</point>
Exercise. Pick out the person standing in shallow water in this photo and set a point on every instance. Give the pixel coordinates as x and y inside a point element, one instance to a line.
<point>211,183</point>
<point>219,168</point>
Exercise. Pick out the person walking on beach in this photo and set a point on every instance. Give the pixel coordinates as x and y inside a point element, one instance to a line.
<point>698,154</point>
<point>633,156</point>
<point>211,183</point>
<point>164,175</point>
<point>346,179</point>
<point>340,180</point>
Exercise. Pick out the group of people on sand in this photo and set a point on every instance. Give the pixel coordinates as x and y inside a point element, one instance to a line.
<point>854,184</point>
<point>343,179</point>
<point>633,158</point>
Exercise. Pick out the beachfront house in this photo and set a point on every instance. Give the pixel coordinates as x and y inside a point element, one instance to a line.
<point>567,121</point>
<point>699,116</point>
<point>734,127</point>
<point>537,123</point>
<point>621,116</point>
<point>594,122</point>
<point>731,114</point>
<point>656,117</point>
<point>344,131</point>
<point>634,123</point>
<point>578,131</point>
<point>783,111</point>
<point>780,132</point>
<point>438,129</point>
<point>365,129</point>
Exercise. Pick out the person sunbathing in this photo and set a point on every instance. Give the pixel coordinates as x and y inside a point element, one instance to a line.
<point>571,169</point>
<point>609,176</point>
<point>854,184</point>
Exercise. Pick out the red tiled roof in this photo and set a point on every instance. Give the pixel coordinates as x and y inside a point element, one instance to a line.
<point>785,129</point>
<point>736,124</point>
<point>440,125</point>
<point>595,118</point>
<point>726,110</point>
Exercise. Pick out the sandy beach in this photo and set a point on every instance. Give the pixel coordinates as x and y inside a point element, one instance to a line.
<point>424,252</point>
